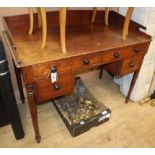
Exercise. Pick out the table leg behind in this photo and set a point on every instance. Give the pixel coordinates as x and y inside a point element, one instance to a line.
<point>101,72</point>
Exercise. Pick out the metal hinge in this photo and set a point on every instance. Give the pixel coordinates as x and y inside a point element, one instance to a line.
<point>32,87</point>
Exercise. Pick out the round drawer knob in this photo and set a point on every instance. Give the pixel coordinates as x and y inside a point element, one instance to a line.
<point>86,61</point>
<point>137,50</point>
<point>132,65</point>
<point>116,55</point>
<point>53,69</point>
<point>56,87</point>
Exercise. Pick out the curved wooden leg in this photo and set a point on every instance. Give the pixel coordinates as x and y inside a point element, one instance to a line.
<point>94,14</point>
<point>106,16</point>
<point>132,85</point>
<point>44,27</point>
<point>126,22</point>
<point>33,111</point>
<point>62,21</point>
<point>31,21</point>
<point>39,18</point>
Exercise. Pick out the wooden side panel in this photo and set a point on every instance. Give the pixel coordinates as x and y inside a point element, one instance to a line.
<point>114,67</point>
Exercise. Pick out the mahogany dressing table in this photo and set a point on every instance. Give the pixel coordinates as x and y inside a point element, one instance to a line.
<point>88,46</point>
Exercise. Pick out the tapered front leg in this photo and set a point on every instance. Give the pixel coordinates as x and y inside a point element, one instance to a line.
<point>62,22</point>
<point>33,110</point>
<point>132,85</point>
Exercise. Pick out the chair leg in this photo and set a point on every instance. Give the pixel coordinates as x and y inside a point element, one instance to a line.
<point>39,18</point>
<point>94,14</point>
<point>106,16</point>
<point>31,21</point>
<point>62,21</point>
<point>127,21</point>
<point>44,27</point>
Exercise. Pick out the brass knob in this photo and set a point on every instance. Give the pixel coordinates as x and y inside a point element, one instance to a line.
<point>137,50</point>
<point>132,65</point>
<point>57,87</point>
<point>86,61</point>
<point>116,55</point>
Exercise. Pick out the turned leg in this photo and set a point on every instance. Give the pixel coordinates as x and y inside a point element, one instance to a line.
<point>19,82</point>
<point>126,22</point>
<point>132,85</point>
<point>106,16</point>
<point>31,21</point>
<point>39,18</point>
<point>33,111</point>
<point>62,21</point>
<point>44,26</point>
<point>94,14</point>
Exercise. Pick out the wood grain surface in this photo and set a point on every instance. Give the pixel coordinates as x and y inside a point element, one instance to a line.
<point>82,37</point>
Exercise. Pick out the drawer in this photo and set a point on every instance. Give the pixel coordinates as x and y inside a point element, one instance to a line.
<point>131,65</point>
<point>140,49</point>
<point>43,70</point>
<point>85,61</point>
<point>47,90</point>
<point>115,55</point>
<point>114,67</point>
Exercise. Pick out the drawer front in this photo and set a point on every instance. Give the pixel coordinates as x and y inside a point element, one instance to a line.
<point>140,49</point>
<point>86,61</point>
<point>41,71</point>
<point>131,65</point>
<point>114,67</point>
<point>47,90</point>
<point>117,54</point>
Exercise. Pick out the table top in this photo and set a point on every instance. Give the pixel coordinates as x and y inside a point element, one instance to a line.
<point>82,37</point>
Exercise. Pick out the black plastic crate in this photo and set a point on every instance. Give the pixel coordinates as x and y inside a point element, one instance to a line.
<point>81,110</point>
